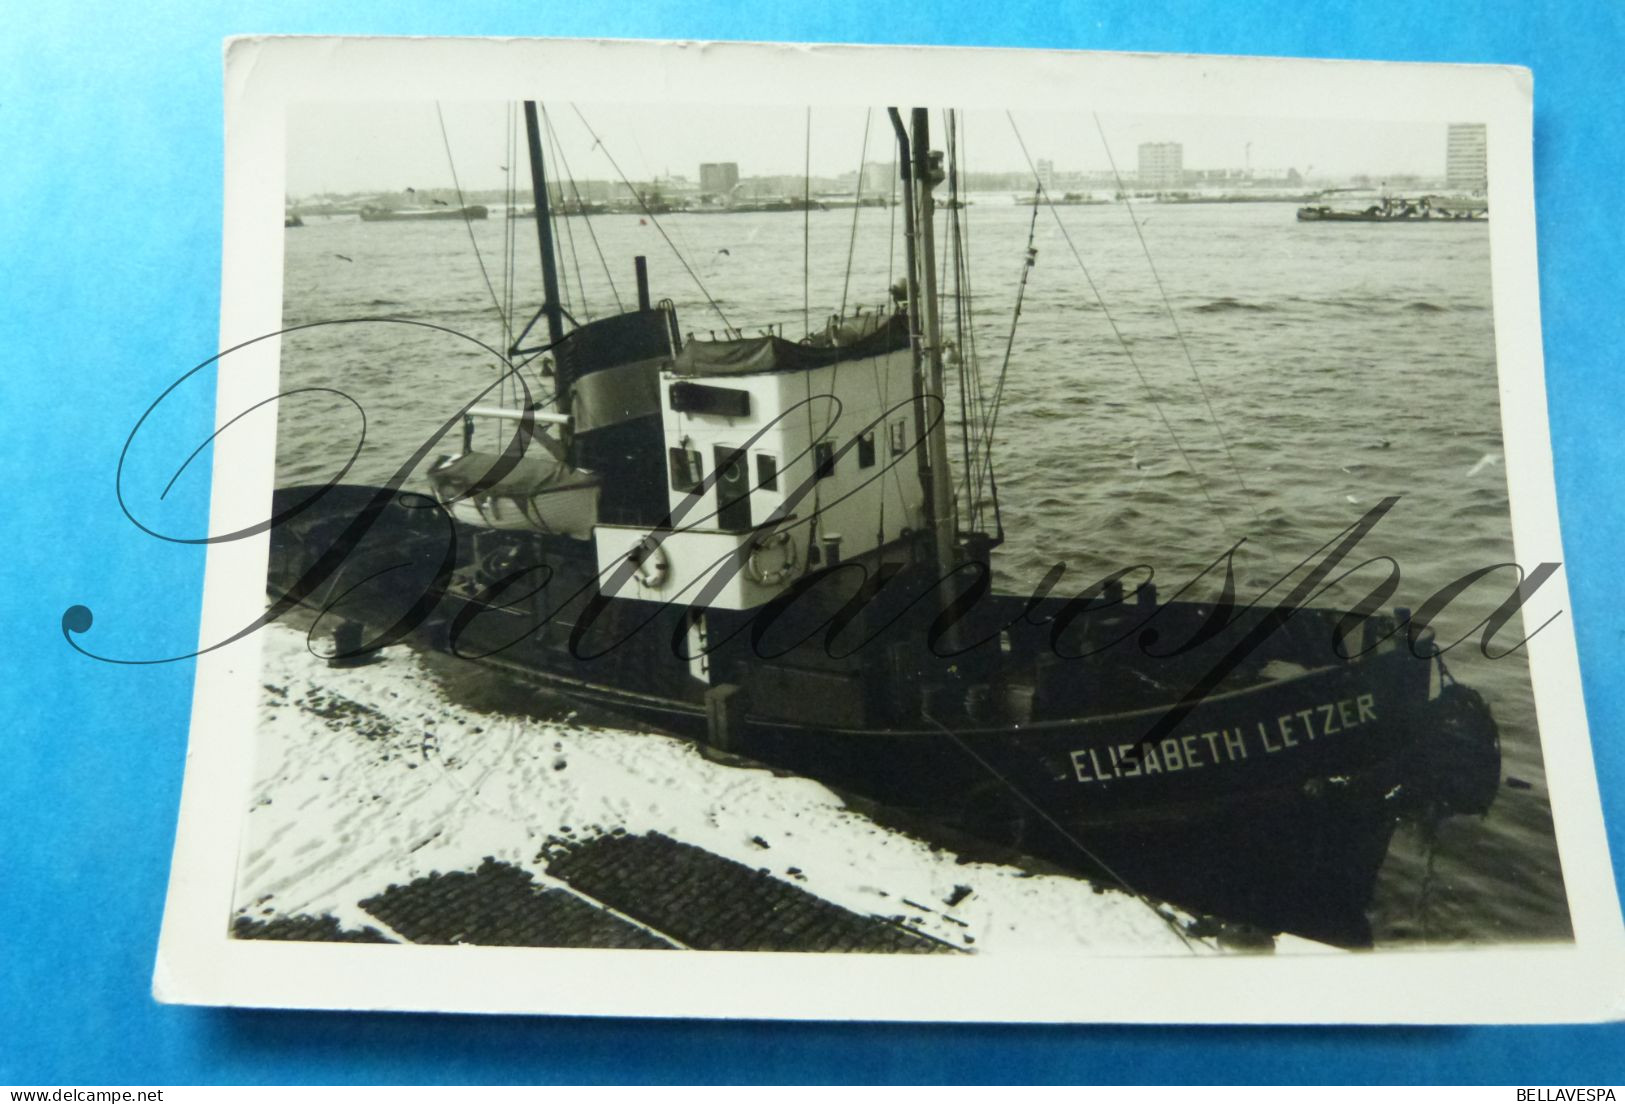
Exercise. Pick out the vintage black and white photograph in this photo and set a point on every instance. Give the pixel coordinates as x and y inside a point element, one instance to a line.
<point>907,528</point>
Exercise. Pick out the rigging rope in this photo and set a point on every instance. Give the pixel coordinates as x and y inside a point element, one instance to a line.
<point>1173,318</point>
<point>851,245</point>
<point>813,437</point>
<point>970,357</point>
<point>582,207</point>
<point>986,449</point>
<point>971,399</point>
<point>954,211</point>
<point>857,205</point>
<point>655,222</point>
<point>883,390</point>
<point>1116,330</point>
<point>979,414</point>
<point>468,223</point>
<point>806,231</point>
<point>891,230</point>
<point>685,242</point>
<point>567,301</point>
<point>569,231</point>
<point>509,251</point>
<point>510,240</point>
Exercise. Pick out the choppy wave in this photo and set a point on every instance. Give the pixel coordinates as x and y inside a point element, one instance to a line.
<point>1227,303</point>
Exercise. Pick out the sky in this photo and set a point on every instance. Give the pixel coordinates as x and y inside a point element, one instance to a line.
<point>359,147</point>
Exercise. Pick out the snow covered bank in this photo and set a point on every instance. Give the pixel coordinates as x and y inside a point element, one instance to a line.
<point>370,776</point>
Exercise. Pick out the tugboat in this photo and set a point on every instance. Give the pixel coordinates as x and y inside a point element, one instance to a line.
<point>755,542</point>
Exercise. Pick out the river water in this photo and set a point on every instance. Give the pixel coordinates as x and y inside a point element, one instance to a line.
<point>1344,363</point>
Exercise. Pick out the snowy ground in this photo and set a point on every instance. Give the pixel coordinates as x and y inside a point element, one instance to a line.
<point>370,776</point>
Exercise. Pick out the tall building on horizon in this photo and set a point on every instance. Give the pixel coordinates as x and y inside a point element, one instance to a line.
<point>1162,165</point>
<point>1465,163</point>
<point>719,177</point>
<point>877,179</point>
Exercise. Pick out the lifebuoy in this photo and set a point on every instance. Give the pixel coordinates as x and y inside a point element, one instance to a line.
<point>649,563</point>
<point>780,543</point>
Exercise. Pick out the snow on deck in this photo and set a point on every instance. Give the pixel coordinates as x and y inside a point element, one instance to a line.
<point>370,777</point>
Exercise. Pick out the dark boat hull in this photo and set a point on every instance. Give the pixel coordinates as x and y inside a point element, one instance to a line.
<point>1287,837</point>
<point>1269,800</point>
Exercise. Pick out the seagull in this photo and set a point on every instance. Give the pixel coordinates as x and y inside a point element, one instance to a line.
<point>440,202</point>
<point>725,253</point>
<point>341,256</point>
<point>1488,460</point>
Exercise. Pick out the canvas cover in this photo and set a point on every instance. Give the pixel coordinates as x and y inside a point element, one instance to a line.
<point>753,355</point>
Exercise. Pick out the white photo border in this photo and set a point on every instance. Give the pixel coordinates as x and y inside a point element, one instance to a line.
<point>199,963</point>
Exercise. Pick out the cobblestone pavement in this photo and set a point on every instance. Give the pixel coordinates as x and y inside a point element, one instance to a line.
<point>304,929</point>
<point>675,894</point>
<point>501,906</point>
<point>716,904</point>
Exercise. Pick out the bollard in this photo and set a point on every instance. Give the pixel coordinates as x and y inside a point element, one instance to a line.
<point>347,641</point>
<point>725,706</point>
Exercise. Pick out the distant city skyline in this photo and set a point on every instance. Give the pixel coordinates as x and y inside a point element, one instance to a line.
<point>1465,163</point>
<point>381,147</point>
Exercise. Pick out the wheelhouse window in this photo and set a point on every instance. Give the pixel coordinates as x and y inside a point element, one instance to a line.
<point>824,459</point>
<point>866,449</point>
<point>899,437</point>
<point>687,470</point>
<point>767,472</point>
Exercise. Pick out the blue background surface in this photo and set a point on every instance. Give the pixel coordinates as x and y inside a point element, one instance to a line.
<point>110,203</point>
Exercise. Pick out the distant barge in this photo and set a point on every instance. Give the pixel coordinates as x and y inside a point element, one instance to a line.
<point>424,214</point>
<point>1425,209</point>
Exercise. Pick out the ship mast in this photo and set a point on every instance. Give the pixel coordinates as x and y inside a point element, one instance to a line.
<point>923,172</point>
<point>544,227</point>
